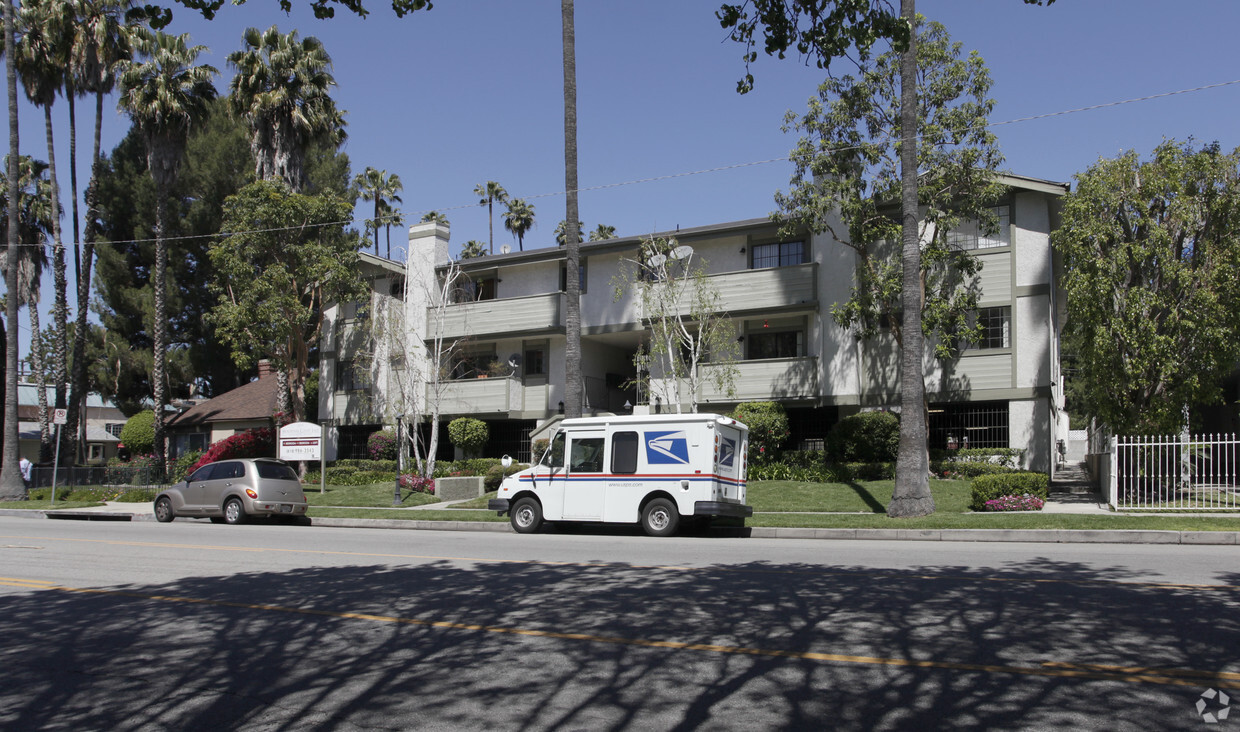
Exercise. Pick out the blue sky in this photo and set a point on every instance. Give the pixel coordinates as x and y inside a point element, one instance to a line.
<point>471,91</point>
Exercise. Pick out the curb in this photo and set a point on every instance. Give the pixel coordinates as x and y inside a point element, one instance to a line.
<point>1033,536</point>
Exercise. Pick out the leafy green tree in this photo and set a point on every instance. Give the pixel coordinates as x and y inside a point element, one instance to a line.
<point>378,186</point>
<point>469,434</point>
<point>138,434</point>
<point>603,232</point>
<point>322,8</point>
<point>1152,259</point>
<point>473,248</point>
<point>489,194</point>
<point>283,90</point>
<point>519,219</point>
<point>165,94</point>
<point>291,256</point>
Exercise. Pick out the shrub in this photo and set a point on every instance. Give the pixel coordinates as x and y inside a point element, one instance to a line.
<point>139,470</point>
<point>248,444</point>
<point>496,474</point>
<point>866,437</point>
<point>1015,503</point>
<point>138,434</point>
<point>181,466</point>
<point>417,484</point>
<point>381,445</point>
<point>865,471</point>
<point>990,487</point>
<point>952,469</point>
<point>469,434</point>
<point>768,428</point>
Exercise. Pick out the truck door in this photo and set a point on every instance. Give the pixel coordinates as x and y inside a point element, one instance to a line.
<point>585,489</point>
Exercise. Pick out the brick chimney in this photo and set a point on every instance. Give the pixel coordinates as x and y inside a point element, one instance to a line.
<point>265,368</point>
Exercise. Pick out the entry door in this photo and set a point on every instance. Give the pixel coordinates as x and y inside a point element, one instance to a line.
<point>585,490</point>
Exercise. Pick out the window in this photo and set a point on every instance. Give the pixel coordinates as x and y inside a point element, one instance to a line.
<point>970,236</point>
<point>472,364</point>
<point>350,376</point>
<point>554,456</point>
<point>996,328</point>
<point>475,289</point>
<point>114,428</point>
<point>783,254</point>
<point>94,451</point>
<point>624,453</point>
<point>352,312</point>
<point>581,281</point>
<point>587,455</point>
<point>775,344</point>
<point>535,359</point>
<point>977,424</point>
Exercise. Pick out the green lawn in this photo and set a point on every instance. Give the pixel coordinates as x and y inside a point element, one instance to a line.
<point>377,495</point>
<point>868,496</point>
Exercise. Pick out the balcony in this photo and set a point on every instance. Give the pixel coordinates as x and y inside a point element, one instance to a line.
<point>507,316</point>
<point>495,395</point>
<point>767,379</point>
<point>764,290</point>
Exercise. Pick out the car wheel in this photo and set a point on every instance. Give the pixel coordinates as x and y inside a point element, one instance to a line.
<point>526,516</point>
<point>660,518</point>
<point>234,512</point>
<point>163,510</point>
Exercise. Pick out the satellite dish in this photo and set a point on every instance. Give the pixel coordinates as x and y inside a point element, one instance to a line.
<point>656,260</point>
<point>505,248</point>
<point>514,361</point>
<point>680,252</point>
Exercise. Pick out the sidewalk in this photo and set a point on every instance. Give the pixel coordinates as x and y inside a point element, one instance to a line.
<point>1082,503</point>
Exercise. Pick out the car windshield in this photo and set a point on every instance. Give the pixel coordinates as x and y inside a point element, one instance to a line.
<point>276,471</point>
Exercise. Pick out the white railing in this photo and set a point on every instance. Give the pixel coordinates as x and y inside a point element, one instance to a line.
<point>1174,473</point>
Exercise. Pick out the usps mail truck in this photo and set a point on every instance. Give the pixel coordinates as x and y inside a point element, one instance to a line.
<point>656,470</point>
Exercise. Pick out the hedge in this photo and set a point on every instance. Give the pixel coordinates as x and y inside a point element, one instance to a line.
<point>989,487</point>
<point>867,437</point>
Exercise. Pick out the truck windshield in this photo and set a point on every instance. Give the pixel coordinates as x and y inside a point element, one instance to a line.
<point>554,456</point>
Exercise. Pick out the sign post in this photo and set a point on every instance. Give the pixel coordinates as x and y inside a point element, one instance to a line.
<point>59,417</point>
<point>304,441</point>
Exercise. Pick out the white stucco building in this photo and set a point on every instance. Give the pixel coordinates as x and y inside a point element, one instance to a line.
<point>509,323</point>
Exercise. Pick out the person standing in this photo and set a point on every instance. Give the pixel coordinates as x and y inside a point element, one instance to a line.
<point>25,466</point>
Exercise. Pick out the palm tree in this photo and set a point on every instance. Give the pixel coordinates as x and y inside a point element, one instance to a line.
<point>434,216</point>
<point>378,186</point>
<point>390,217</point>
<point>572,294</point>
<point>489,193</point>
<point>35,206</point>
<point>42,58</point>
<point>100,43</point>
<point>603,233</point>
<point>519,218</point>
<point>165,94</point>
<point>561,232</point>
<point>11,486</point>
<point>472,249</point>
<point>283,90</point>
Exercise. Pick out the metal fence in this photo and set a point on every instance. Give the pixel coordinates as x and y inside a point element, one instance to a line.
<point>1188,472</point>
<point>80,477</point>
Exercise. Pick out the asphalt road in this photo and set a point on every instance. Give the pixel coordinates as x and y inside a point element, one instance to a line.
<point>125,626</point>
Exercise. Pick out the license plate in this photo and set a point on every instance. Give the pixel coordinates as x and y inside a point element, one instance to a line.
<point>286,508</point>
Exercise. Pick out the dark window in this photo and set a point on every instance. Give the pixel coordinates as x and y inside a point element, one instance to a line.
<point>977,424</point>
<point>351,377</point>
<point>587,455</point>
<point>203,473</point>
<point>276,471</point>
<point>535,361</point>
<point>472,290</point>
<point>472,365</point>
<point>784,254</point>
<point>229,470</point>
<point>777,344</point>
<point>581,280</point>
<point>996,327</point>
<point>624,453</point>
<point>554,457</point>
<point>970,236</point>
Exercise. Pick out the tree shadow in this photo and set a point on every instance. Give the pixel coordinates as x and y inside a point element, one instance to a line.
<point>864,494</point>
<point>474,645</point>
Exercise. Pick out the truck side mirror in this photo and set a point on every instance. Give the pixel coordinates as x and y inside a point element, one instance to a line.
<point>506,461</point>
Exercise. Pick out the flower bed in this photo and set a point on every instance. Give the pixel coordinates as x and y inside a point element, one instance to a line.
<point>1015,503</point>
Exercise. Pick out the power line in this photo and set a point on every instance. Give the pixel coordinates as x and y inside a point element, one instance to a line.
<point>657,178</point>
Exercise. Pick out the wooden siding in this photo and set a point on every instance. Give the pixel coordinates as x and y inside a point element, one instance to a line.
<point>763,289</point>
<point>503,316</point>
<point>775,378</point>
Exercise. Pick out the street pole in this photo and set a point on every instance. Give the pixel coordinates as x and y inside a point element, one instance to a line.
<point>56,463</point>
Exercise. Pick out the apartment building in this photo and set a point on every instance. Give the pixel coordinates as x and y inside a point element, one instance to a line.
<point>506,318</point>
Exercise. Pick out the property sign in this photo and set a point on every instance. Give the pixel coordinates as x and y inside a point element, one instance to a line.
<point>60,416</point>
<point>301,441</point>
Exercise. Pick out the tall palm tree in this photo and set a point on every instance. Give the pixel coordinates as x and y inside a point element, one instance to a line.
<point>165,95</point>
<point>11,485</point>
<point>603,232</point>
<point>561,232</point>
<point>519,218</point>
<point>572,295</point>
<point>283,91</point>
<point>390,217</point>
<point>378,186</point>
<point>35,206</point>
<point>100,43</point>
<point>434,216</point>
<point>43,55</point>
<point>489,194</point>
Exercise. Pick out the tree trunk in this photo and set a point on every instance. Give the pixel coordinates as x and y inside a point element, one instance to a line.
<point>159,369</point>
<point>11,486</point>
<point>60,305</point>
<point>572,243</point>
<point>911,495</point>
<point>38,376</point>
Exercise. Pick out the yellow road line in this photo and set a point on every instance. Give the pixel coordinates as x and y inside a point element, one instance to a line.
<point>1091,672</point>
<point>665,567</point>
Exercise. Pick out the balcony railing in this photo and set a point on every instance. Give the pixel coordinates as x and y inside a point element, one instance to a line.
<point>504,316</point>
<point>494,395</point>
<point>761,380</point>
<point>764,289</point>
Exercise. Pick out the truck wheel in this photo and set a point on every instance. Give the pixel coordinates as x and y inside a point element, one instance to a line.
<point>660,517</point>
<point>526,516</point>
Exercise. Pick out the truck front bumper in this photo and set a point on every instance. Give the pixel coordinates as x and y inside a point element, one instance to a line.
<point>498,505</point>
<point>717,508</point>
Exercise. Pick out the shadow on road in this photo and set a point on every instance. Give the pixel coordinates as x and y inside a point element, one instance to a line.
<point>236,653</point>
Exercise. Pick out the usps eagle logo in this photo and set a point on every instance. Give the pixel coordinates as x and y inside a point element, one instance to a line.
<point>667,448</point>
<point>727,452</point>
